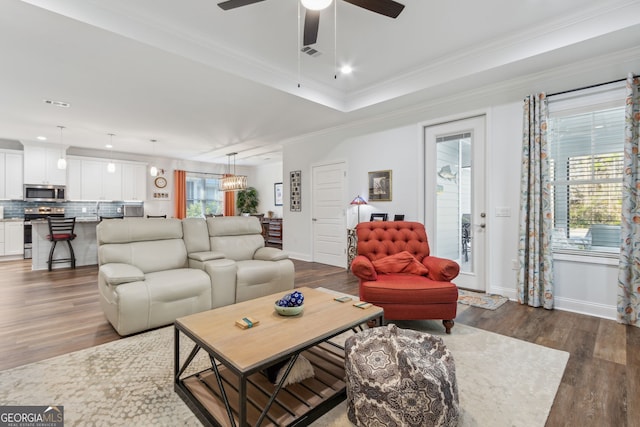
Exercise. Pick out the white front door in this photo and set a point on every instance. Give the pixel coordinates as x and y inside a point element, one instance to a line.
<point>455,215</point>
<point>328,215</point>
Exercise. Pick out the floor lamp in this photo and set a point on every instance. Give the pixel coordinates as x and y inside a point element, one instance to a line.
<point>358,201</point>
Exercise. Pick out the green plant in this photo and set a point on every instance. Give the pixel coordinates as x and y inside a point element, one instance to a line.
<point>247,201</point>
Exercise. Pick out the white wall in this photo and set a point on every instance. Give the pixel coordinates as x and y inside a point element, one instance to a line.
<point>263,178</point>
<point>395,142</point>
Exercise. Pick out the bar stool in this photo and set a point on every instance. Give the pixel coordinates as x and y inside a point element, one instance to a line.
<point>61,230</point>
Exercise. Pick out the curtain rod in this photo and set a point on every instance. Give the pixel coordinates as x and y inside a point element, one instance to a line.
<point>586,87</point>
<point>205,173</point>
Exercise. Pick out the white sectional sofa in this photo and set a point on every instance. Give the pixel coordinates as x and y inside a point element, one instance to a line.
<point>152,271</point>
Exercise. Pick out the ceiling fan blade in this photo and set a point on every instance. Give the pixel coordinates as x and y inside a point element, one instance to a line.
<point>311,24</point>
<point>388,8</point>
<point>232,4</point>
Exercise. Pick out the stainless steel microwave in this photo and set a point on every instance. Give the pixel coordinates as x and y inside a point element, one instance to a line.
<point>44,193</point>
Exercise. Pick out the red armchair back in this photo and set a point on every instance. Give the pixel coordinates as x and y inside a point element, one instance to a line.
<point>378,239</point>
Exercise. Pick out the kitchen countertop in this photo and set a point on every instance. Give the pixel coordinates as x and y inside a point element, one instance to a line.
<point>12,220</point>
<point>78,219</point>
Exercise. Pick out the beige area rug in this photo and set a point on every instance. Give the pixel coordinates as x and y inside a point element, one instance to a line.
<point>129,382</point>
<point>482,300</point>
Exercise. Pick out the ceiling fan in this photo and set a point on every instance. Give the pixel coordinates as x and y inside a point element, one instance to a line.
<point>388,8</point>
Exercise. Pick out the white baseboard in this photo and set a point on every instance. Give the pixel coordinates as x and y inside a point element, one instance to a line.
<point>584,307</point>
<point>566,304</point>
<point>299,256</point>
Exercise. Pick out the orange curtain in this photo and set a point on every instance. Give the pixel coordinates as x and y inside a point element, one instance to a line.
<point>180,199</point>
<point>229,202</point>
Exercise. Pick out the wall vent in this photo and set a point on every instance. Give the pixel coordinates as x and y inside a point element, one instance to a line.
<point>311,51</point>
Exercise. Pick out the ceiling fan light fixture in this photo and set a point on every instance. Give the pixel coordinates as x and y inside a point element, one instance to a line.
<point>315,4</point>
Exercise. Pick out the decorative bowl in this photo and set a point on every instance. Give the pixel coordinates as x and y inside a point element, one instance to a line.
<point>289,311</point>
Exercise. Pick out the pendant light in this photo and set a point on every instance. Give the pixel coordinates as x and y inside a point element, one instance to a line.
<point>62,162</point>
<point>111,167</point>
<point>231,181</point>
<point>153,171</point>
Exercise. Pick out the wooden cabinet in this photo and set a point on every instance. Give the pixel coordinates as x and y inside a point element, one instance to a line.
<point>41,164</point>
<point>274,232</point>
<point>11,175</point>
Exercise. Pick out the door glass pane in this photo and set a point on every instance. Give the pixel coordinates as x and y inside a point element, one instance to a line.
<point>453,201</point>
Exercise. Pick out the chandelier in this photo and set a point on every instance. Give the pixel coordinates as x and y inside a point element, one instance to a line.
<point>231,181</point>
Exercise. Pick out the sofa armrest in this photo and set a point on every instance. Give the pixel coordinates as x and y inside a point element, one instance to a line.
<point>270,254</point>
<point>363,268</point>
<point>205,256</point>
<point>441,269</point>
<point>119,273</point>
<point>223,281</point>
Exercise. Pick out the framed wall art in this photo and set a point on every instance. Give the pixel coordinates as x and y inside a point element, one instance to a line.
<point>380,186</point>
<point>278,193</point>
<point>295,181</point>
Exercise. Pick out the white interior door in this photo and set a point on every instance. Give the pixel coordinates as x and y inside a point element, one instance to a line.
<point>328,216</point>
<point>455,196</point>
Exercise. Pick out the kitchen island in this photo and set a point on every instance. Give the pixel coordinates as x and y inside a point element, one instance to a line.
<point>85,244</point>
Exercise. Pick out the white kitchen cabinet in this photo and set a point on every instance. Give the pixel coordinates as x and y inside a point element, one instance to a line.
<point>74,178</point>
<point>11,175</point>
<point>89,179</point>
<point>41,164</point>
<point>13,238</point>
<point>134,181</point>
<point>99,184</point>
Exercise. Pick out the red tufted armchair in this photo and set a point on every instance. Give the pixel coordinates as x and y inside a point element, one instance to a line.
<point>397,273</point>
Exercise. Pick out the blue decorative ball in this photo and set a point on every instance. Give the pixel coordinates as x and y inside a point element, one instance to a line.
<point>282,303</point>
<point>297,298</point>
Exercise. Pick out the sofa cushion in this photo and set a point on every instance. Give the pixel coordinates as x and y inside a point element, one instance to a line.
<point>196,235</point>
<point>408,289</point>
<point>138,230</point>
<point>148,256</point>
<point>233,226</point>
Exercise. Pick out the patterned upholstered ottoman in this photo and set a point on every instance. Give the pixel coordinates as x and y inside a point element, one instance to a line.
<point>400,377</point>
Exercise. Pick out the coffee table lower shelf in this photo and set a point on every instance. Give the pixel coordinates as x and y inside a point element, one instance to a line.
<point>295,405</point>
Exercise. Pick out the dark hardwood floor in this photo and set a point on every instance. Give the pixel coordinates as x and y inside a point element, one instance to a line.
<point>45,314</point>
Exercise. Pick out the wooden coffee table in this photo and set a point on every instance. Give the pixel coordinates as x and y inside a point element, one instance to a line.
<point>235,392</point>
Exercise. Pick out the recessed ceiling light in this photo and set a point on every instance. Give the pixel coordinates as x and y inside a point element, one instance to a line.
<point>41,138</point>
<point>57,103</point>
<point>108,146</point>
<point>346,69</point>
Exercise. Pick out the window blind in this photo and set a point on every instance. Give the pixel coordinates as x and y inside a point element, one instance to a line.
<point>586,148</point>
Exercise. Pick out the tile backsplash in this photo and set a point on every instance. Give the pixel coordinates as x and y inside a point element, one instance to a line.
<point>15,209</point>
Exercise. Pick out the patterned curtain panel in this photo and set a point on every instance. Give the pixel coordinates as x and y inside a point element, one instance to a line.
<point>535,278</point>
<point>629,267</point>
